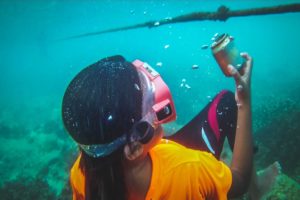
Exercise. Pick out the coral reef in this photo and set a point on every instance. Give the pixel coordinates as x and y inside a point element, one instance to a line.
<point>36,159</point>
<point>279,140</point>
<point>284,189</point>
<point>27,189</point>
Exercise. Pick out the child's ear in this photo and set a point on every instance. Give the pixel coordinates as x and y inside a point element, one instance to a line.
<point>133,150</point>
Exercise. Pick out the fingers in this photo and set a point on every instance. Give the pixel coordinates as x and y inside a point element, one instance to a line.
<point>242,80</point>
<point>236,75</point>
<point>238,79</point>
<point>246,56</point>
<point>239,84</point>
<point>248,63</point>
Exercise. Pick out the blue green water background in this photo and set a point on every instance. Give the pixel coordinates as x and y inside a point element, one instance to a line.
<point>35,68</point>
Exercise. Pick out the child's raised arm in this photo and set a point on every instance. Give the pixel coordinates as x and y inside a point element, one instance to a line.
<point>242,159</point>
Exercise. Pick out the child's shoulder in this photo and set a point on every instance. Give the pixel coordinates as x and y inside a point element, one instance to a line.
<point>170,154</point>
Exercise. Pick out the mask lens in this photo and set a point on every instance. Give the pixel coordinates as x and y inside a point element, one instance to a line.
<point>164,113</point>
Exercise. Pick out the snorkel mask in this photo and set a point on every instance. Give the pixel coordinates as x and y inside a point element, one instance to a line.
<point>157,90</point>
<point>157,108</point>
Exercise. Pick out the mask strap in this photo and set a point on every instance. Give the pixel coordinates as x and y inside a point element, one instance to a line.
<point>142,131</point>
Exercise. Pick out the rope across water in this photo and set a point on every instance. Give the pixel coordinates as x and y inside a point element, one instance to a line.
<point>222,14</point>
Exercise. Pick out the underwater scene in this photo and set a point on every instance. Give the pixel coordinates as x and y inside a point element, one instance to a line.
<point>39,56</point>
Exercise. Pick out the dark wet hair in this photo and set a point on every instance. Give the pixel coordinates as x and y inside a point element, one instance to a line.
<point>100,104</point>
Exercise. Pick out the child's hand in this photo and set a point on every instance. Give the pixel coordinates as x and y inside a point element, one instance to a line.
<point>242,80</point>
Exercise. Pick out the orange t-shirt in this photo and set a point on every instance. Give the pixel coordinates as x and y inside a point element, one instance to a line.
<point>177,173</point>
<point>77,179</point>
<point>182,173</point>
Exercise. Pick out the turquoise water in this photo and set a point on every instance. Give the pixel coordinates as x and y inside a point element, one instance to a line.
<point>36,66</point>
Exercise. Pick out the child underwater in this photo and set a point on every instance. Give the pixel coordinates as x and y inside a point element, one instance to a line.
<point>114,109</point>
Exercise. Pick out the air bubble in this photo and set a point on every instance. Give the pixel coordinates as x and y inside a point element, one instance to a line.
<point>156,24</point>
<point>195,66</point>
<point>205,46</point>
<point>137,87</point>
<point>159,64</point>
<point>187,86</point>
<point>109,118</point>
